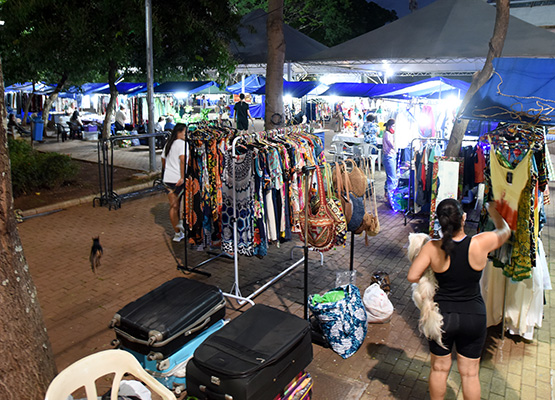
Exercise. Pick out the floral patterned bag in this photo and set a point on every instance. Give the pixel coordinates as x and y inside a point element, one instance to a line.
<point>343,321</point>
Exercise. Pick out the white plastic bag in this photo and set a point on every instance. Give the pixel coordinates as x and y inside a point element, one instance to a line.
<point>378,306</point>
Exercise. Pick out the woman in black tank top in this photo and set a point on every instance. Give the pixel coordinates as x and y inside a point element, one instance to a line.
<point>457,261</point>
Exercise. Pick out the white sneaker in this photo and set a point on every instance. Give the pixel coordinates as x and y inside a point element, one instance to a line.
<point>178,237</point>
<point>180,225</point>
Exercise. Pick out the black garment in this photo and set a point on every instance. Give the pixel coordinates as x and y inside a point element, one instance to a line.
<point>466,331</point>
<point>241,109</point>
<point>459,286</point>
<point>461,304</point>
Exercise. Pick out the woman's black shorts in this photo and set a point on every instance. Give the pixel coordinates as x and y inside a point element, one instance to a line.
<point>466,331</point>
<point>171,187</point>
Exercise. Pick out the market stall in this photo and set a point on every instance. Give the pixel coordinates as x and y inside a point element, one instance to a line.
<point>520,96</point>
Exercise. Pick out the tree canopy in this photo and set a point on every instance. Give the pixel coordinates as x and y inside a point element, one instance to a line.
<point>330,22</point>
<point>42,39</point>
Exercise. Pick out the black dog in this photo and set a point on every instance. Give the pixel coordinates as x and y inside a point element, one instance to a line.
<point>96,254</point>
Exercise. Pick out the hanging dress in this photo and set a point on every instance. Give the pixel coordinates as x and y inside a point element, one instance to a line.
<point>244,191</point>
<point>507,185</point>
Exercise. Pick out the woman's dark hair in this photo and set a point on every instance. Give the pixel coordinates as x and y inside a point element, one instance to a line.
<point>390,122</point>
<point>370,118</point>
<point>11,117</point>
<point>450,216</point>
<point>175,131</point>
<point>75,114</point>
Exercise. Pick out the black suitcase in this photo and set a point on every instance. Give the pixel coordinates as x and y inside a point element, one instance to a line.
<point>163,320</point>
<point>252,358</point>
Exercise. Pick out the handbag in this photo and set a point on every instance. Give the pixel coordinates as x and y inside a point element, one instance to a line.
<point>335,207</point>
<point>357,207</point>
<point>372,223</point>
<point>357,179</point>
<point>343,321</point>
<point>346,206</point>
<point>320,226</point>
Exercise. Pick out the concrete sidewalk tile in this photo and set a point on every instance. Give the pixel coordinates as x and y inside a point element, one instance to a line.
<point>528,392</point>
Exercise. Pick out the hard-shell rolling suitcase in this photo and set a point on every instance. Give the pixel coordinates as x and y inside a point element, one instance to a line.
<point>171,371</point>
<point>253,357</point>
<point>163,320</point>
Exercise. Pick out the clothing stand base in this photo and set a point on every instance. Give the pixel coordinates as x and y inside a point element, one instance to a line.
<point>310,249</point>
<point>185,269</point>
<point>236,292</point>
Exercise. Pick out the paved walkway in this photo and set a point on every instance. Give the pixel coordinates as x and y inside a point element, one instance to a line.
<point>139,255</point>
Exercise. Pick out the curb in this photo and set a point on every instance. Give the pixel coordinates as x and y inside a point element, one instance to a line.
<point>79,201</point>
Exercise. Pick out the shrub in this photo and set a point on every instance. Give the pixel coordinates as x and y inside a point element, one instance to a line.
<point>32,171</point>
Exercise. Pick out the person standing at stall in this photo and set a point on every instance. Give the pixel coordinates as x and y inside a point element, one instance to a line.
<point>121,118</point>
<point>242,113</point>
<point>457,261</point>
<point>173,167</point>
<point>370,130</point>
<point>220,108</point>
<point>389,158</point>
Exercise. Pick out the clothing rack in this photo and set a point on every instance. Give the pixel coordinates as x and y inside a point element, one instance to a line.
<point>412,174</point>
<point>235,290</point>
<point>185,267</point>
<point>530,140</point>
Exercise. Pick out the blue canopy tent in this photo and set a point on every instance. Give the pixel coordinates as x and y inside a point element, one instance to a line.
<point>520,90</point>
<point>183,87</point>
<point>344,89</point>
<point>27,87</point>
<point>433,88</point>
<point>252,84</point>
<point>127,88</point>
<point>295,89</point>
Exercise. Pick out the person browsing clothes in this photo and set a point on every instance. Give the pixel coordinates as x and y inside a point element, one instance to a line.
<point>242,113</point>
<point>457,261</point>
<point>121,118</point>
<point>173,167</point>
<point>389,158</point>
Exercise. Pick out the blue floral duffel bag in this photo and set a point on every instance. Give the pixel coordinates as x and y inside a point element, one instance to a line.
<point>342,318</point>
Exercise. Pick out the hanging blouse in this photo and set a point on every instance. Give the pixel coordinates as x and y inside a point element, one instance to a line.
<point>507,185</point>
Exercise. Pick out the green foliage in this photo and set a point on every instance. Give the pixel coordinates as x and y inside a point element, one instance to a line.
<point>46,39</point>
<point>330,22</point>
<point>32,171</point>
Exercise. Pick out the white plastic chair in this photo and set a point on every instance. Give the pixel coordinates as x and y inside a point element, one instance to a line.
<point>84,373</point>
<point>367,152</point>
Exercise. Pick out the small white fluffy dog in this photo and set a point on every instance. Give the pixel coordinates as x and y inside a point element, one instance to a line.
<point>423,292</point>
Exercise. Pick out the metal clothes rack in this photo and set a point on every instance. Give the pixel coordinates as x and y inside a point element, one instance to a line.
<point>412,187</point>
<point>105,148</point>
<point>185,267</point>
<point>235,290</point>
<point>506,282</point>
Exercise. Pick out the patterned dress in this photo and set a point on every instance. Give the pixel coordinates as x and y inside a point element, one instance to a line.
<point>244,189</point>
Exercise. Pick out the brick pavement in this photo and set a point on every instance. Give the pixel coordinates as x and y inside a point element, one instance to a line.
<point>139,255</point>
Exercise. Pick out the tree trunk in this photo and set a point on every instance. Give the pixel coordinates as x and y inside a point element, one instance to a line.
<point>274,67</point>
<point>495,49</point>
<point>28,366</point>
<point>51,99</point>
<point>26,108</point>
<point>112,103</point>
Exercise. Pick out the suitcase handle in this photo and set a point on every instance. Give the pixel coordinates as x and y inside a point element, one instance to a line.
<point>210,395</point>
<point>198,328</point>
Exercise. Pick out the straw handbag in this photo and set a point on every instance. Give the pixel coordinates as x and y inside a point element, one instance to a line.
<point>357,179</point>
